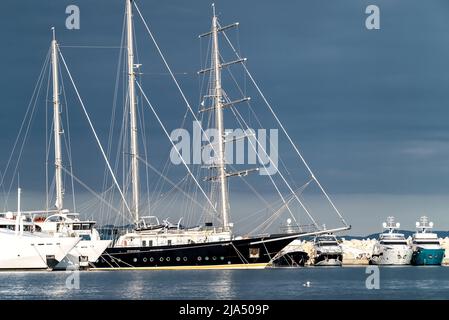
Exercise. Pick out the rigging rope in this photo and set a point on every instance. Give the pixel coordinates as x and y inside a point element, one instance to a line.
<point>31,108</point>
<point>174,146</point>
<point>285,131</point>
<point>276,168</point>
<point>90,190</point>
<point>67,139</point>
<point>170,182</point>
<point>94,132</point>
<point>112,121</point>
<point>170,71</point>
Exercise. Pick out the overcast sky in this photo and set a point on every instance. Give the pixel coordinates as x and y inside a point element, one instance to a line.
<point>368,108</point>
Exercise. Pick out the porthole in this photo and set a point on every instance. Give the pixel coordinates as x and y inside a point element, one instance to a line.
<point>145,259</point>
<point>207,258</point>
<point>168,258</point>
<point>135,259</point>
<point>178,259</point>
<point>151,259</point>
<point>221,258</point>
<point>185,258</point>
<point>229,262</point>
<point>199,258</point>
<point>214,258</point>
<point>161,259</point>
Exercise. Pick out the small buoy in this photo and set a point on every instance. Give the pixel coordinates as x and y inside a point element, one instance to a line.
<point>307,284</point>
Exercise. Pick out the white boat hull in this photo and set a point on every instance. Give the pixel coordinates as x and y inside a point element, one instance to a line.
<point>29,251</point>
<point>329,263</point>
<point>90,249</point>
<point>392,256</point>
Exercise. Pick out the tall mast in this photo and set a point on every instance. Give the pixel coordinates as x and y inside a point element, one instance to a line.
<point>56,124</point>
<point>133,114</point>
<point>218,106</point>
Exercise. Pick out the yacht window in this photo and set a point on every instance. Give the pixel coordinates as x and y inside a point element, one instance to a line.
<point>144,243</point>
<point>328,243</point>
<point>394,242</point>
<point>85,237</point>
<point>76,227</point>
<point>144,259</point>
<point>169,242</point>
<point>150,243</point>
<point>426,242</point>
<point>86,226</point>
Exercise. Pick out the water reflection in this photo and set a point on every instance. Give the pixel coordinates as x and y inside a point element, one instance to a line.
<point>335,283</point>
<point>223,286</point>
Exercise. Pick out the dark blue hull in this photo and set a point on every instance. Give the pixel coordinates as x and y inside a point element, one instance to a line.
<point>243,253</point>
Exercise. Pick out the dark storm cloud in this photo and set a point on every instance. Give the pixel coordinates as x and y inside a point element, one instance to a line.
<point>368,108</point>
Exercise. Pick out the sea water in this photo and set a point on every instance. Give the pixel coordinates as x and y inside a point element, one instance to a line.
<point>300,283</point>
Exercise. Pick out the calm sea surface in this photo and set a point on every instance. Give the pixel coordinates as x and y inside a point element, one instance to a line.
<point>325,283</point>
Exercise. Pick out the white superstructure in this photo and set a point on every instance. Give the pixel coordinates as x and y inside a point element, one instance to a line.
<point>392,248</point>
<point>424,239</point>
<point>151,233</point>
<point>23,248</point>
<point>65,223</point>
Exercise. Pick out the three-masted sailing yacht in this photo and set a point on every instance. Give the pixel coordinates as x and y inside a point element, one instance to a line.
<point>75,242</point>
<point>172,246</point>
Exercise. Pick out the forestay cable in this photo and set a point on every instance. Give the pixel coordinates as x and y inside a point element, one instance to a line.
<point>285,131</point>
